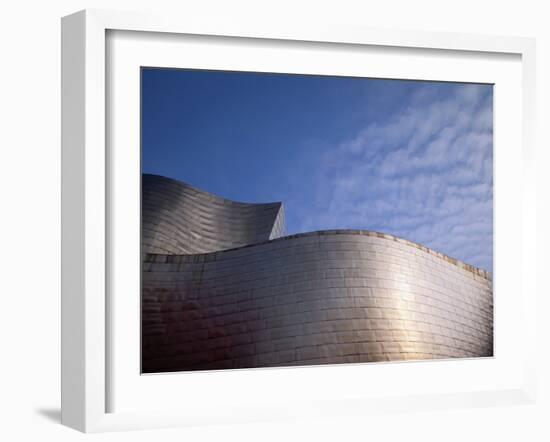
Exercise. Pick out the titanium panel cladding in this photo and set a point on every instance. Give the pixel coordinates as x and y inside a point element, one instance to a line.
<point>317,298</point>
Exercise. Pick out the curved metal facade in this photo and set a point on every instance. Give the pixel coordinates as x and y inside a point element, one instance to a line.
<point>316,298</point>
<point>178,219</point>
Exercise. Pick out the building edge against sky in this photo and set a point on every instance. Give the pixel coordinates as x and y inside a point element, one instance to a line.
<point>238,298</point>
<point>413,158</point>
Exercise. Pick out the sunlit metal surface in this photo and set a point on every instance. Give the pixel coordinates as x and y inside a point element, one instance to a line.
<point>316,298</point>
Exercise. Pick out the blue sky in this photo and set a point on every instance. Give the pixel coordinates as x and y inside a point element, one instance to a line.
<point>410,158</point>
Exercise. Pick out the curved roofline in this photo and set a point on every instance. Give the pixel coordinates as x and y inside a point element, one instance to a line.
<point>473,269</point>
<point>209,194</point>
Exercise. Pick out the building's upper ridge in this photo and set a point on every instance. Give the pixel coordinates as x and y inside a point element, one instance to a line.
<point>178,218</point>
<point>205,193</point>
<point>205,257</point>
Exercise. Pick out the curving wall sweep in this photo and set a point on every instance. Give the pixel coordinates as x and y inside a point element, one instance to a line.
<point>222,289</point>
<point>179,219</point>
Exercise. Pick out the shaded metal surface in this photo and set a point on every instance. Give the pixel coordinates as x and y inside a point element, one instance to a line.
<point>321,297</point>
<point>178,218</point>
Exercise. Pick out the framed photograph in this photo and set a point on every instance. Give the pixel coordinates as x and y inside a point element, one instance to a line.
<point>229,284</point>
<point>263,222</point>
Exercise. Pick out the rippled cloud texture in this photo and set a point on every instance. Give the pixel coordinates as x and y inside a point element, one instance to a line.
<point>425,173</point>
<point>414,159</point>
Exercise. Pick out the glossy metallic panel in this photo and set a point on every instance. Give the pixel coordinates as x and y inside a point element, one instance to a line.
<point>177,218</point>
<point>316,298</point>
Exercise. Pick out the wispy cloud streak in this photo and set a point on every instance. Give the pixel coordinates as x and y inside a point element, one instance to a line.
<point>424,172</point>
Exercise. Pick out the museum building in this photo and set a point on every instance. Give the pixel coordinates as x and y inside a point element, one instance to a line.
<point>223,288</point>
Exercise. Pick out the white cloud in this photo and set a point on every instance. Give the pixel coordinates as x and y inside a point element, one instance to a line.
<point>423,173</point>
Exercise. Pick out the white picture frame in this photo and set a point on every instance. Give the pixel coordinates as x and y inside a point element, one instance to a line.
<point>86,316</point>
